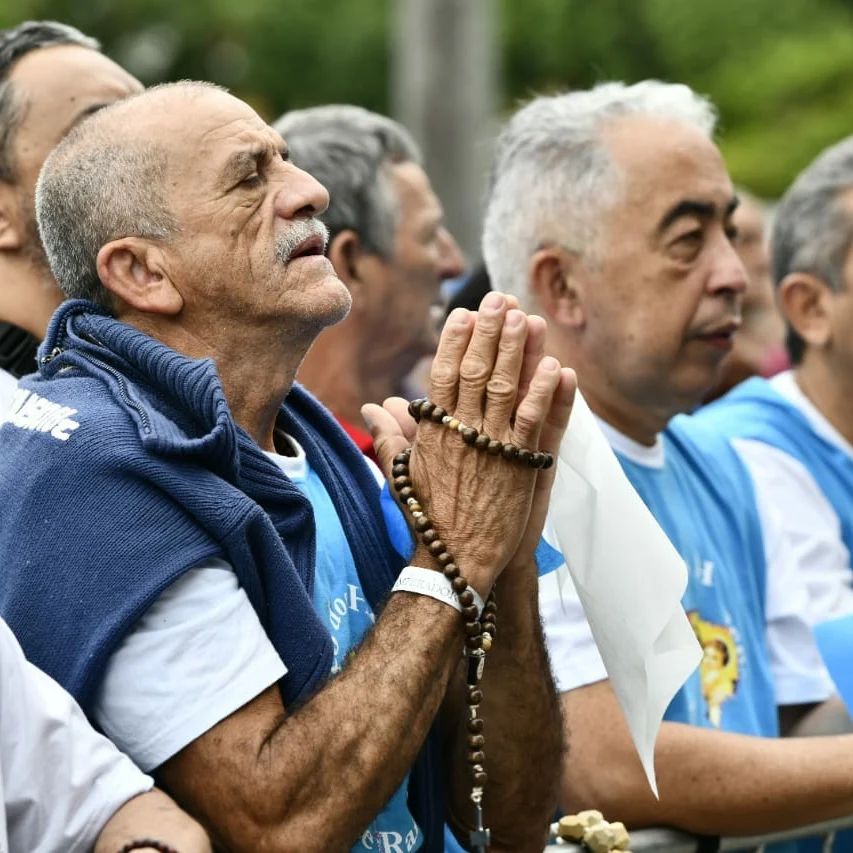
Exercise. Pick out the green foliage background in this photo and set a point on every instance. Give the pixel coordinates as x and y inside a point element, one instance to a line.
<point>780,71</point>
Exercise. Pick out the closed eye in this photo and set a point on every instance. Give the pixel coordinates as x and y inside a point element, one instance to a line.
<point>686,246</point>
<point>690,237</point>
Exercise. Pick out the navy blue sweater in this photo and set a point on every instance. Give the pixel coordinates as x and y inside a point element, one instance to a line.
<point>121,468</point>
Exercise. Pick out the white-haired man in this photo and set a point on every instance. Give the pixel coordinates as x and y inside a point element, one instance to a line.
<point>387,243</point>
<point>795,431</point>
<point>610,213</point>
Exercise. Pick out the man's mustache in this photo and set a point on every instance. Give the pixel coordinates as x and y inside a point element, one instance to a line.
<point>300,231</point>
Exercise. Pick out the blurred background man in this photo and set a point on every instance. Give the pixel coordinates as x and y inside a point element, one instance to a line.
<point>795,431</point>
<point>387,243</point>
<point>51,77</point>
<point>758,348</point>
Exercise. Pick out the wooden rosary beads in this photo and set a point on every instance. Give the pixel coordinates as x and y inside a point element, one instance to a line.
<point>480,626</point>
<point>423,408</point>
<point>480,630</point>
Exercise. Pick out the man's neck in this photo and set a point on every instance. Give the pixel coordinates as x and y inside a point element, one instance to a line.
<point>28,295</point>
<point>333,371</point>
<point>829,389</point>
<point>638,423</point>
<point>256,366</point>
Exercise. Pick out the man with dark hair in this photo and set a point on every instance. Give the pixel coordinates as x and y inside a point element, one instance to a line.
<point>387,243</point>
<point>51,76</point>
<point>228,553</point>
<point>795,431</point>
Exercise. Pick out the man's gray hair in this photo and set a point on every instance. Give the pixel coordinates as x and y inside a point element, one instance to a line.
<point>553,175</point>
<point>348,149</point>
<point>813,227</point>
<point>15,43</point>
<point>102,183</point>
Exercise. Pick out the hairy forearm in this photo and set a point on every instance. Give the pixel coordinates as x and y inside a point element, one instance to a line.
<point>710,782</point>
<point>152,815</point>
<point>523,726</point>
<point>315,776</point>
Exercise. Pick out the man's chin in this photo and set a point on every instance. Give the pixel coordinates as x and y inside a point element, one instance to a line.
<point>341,303</point>
<point>330,303</point>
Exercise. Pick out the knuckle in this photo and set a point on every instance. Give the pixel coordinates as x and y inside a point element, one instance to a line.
<point>474,371</point>
<point>443,375</point>
<point>500,388</point>
<point>526,421</point>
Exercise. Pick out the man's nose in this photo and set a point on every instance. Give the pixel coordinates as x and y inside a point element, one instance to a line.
<point>451,260</point>
<point>728,273</point>
<point>300,195</point>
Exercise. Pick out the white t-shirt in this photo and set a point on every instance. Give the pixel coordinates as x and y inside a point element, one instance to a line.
<point>798,672</point>
<point>197,655</point>
<point>784,486</point>
<point>60,781</point>
<point>8,384</point>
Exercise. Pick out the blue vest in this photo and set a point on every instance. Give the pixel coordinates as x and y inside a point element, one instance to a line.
<point>703,499</point>
<point>122,467</point>
<point>755,410</point>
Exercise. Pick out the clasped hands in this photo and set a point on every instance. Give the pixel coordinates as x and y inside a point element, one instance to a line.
<point>489,372</point>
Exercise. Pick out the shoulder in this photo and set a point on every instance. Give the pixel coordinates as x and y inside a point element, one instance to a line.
<point>700,443</point>
<point>745,411</point>
<point>45,414</point>
<point>700,455</point>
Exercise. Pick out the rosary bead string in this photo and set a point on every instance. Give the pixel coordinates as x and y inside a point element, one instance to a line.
<point>480,628</point>
<point>424,409</point>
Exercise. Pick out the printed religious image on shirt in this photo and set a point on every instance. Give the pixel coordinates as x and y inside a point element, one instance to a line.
<point>718,669</point>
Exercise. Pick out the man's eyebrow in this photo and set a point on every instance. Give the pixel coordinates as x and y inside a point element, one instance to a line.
<point>700,209</point>
<point>239,162</point>
<point>687,207</point>
<point>248,159</point>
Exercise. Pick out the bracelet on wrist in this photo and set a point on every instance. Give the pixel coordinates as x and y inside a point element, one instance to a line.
<point>433,584</point>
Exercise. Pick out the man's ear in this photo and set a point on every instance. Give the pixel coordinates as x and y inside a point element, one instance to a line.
<point>134,271</point>
<point>344,251</point>
<point>806,303</point>
<point>11,228</point>
<point>355,266</point>
<point>552,273</point>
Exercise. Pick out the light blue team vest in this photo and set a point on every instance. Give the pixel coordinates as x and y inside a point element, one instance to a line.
<point>755,410</point>
<point>703,499</point>
<point>340,602</point>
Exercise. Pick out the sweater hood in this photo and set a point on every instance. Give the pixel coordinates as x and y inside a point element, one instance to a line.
<point>177,403</point>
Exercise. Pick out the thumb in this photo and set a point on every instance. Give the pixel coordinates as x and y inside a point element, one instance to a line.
<point>388,437</point>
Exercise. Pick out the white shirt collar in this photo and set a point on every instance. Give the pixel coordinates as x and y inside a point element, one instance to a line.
<point>649,457</point>
<point>786,386</point>
<point>296,467</point>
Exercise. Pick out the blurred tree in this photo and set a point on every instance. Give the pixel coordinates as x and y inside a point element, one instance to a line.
<point>277,54</point>
<point>779,70</point>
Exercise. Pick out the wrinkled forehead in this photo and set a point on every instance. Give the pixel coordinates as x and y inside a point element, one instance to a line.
<point>202,129</point>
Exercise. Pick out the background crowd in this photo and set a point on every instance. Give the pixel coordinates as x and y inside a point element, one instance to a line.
<point>625,251</point>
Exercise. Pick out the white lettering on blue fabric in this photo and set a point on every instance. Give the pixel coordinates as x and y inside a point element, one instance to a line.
<point>390,841</point>
<point>38,414</point>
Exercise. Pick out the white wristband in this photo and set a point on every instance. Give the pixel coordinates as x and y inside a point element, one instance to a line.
<point>433,584</point>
